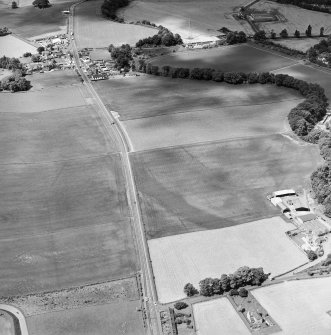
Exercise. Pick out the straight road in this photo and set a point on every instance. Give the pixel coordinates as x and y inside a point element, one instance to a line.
<point>115,130</point>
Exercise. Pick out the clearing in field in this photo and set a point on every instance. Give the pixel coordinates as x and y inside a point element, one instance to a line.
<point>296,18</point>
<point>218,317</point>
<point>94,31</point>
<point>195,111</point>
<point>194,20</point>
<point>11,46</point>
<point>115,318</point>
<point>238,58</point>
<point>311,74</point>
<point>189,258</point>
<point>217,185</point>
<point>299,307</point>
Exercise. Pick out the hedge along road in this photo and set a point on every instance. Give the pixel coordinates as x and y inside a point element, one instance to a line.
<point>116,132</point>
<point>19,315</point>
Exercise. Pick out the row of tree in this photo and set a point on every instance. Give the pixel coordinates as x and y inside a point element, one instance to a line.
<point>215,286</point>
<point>235,37</point>
<point>10,63</point>
<point>164,37</point>
<point>302,118</point>
<point>110,7</point>
<point>316,5</point>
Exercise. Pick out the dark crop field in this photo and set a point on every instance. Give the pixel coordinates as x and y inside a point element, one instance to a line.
<point>236,58</point>
<point>217,185</point>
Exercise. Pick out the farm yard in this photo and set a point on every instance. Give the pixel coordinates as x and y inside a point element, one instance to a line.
<point>295,18</point>
<point>205,17</point>
<point>218,316</point>
<point>119,318</point>
<point>306,302</point>
<point>189,258</point>
<point>12,46</point>
<point>238,58</point>
<point>94,31</point>
<point>217,185</point>
<point>311,74</point>
<point>30,22</point>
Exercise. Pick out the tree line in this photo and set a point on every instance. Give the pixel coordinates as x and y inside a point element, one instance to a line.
<point>215,286</point>
<point>164,37</point>
<point>316,5</point>
<point>302,118</point>
<point>110,7</point>
<point>16,82</point>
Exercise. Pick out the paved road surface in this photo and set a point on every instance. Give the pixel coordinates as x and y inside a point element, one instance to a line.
<point>21,319</point>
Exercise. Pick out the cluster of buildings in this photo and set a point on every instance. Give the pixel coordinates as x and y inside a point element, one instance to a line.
<point>56,55</point>
<point>311,229</point>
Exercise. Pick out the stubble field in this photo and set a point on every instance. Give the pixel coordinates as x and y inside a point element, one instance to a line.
<point>189,258</point>
<point>94,31</point>
<point>299,307</point>
<point>244,58</point>
<point>195,111</point>
<point>205,17</point>
<point>217,185</point>
<point>218,316</point>
<point>12,46</point>
<point>64,217</point>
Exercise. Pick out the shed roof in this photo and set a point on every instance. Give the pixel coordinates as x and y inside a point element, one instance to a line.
<point>283,193</point>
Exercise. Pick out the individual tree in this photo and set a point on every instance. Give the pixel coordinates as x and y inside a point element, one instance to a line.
<point>283,33</point>
<point>14,5</point>
<point>206,287</point>
<point>216,286</point>
<point>322,31</point>
<point>297,34</point>
<point>180,305</point>
<point>243,292</point>
<point>190,290</point>
<point>233,292</point>
<point>260,36</point>
<point>308,31</point>
<point>40,50</point>
<point>27,54</point>
<point>225,283</point>
<point>41,3</point>
<point>35,58</point>
<point>311,255</point>
<point>273,34</point>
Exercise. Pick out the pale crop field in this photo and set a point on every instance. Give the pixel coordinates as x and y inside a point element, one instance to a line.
<point>188,258</point>
<point>12,46</point>
<point>299,307</point>
<point>94,31</point>
<point>194,20</point>
<point>301,44</point>
<point>296,18</point>
<point>218,317</point>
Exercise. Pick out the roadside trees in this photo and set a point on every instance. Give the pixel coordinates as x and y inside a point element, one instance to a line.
<point>297,34</point>
<point>283,33</point>
<point>190,290</point>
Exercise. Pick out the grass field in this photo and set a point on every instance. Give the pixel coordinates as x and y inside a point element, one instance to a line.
<point>299,307</point>
<point>311,74</point>
<point>189,258</point>
<point>301,44</point>
<point>205,17</point>
<point>94,31</point>
<point>217,185</point>
<point>28,21</point>
<point>12,46</point>
<point>218,317</point>
<point>296,18</point>
<point>232,58</point>
<point>120,318</point>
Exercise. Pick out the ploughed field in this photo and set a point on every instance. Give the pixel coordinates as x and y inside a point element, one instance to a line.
<point>195,111</point>
<point>189,258</point>
<point>217,185</point>
<point>64,218</point>
<point>238,58</point>
<point>194,20</point>
<point>94,31</point>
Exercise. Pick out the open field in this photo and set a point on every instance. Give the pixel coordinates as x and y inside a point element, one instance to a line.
<point>296,18</point>
<point>218,317</point>
<point>119,318</point>
<point>28,21</point>
<point>52,135</point>
<point>299,307</point>
<point>94,31</point>
<point>311,74</point>
<point>231,58</point>
<point>301,44</point>
<point>205,17</point>
<point>217,185</point>
<point>195,111</point>
<point>12,46</point>
<point>189,258</point>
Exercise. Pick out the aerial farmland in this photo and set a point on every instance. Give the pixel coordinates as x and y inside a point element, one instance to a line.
<point>165,167</point>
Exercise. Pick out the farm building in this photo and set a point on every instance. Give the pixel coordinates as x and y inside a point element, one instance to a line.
<point>99,76</point>
<point>283,193</point>
<point>306,218</point>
